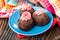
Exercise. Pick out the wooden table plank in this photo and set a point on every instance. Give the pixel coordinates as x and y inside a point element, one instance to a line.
<point>7,34</point>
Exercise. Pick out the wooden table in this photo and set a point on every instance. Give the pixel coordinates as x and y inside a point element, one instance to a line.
<point>7,34</point>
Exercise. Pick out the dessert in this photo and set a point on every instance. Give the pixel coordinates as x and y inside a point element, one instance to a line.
<point>25,22</point>
<point>40,17</point>
<point>26,7</point>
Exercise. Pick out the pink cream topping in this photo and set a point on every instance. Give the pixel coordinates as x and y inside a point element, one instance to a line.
<point>26,16</point>
<point>39,11</point>
<point>26,7</point>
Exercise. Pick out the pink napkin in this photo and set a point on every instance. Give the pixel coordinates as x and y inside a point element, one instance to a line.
<point>47,5</point>
<point>22,36</point>
<point>7,13</point>
<point>56,5</point>
<point>54,23</point>
<point>58,19</point>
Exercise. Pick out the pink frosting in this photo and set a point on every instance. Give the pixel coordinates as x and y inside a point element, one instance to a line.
<point>26,16</point>
<point>39,11</point>
<point>26,6</point>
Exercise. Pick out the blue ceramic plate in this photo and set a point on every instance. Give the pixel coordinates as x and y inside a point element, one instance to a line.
<point>13,24</point>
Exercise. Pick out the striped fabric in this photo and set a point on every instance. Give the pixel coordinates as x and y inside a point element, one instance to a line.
<point>56,5</point>
<point>47,5</point>
<point>7,13</point>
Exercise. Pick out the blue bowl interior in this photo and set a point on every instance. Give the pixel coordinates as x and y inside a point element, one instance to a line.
<point>13,24</point>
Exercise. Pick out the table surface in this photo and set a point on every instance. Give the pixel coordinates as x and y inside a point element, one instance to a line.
<point>7,34</point>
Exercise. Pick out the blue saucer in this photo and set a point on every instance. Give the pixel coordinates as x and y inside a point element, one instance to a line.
<point>13,24</point>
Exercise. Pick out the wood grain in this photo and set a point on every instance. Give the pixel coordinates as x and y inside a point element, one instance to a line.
<point>7,34</point>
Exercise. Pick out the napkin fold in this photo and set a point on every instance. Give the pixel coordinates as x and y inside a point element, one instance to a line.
<point>22,36</point>
<point>46,4</point>
<point>58,20</point>
<point>6,13</point>
<point>56,6</point>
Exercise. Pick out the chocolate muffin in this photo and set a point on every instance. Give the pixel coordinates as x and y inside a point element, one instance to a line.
<point>40,17</point>
<point>25,22</point>
<point>26,7</point>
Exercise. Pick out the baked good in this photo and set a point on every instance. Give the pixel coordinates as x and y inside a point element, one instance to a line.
<point>40,17</point>
<point>26,7</point>
<point>25,22</point>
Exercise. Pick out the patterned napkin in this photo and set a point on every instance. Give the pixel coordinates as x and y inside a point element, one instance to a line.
<point>56,5</point>
<point>47,5</point>
<point>7,12</point>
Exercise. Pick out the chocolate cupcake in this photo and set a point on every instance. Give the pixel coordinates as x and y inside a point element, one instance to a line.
<point>26,7</point>
<point>40,17</point>
<point>25,22</point>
